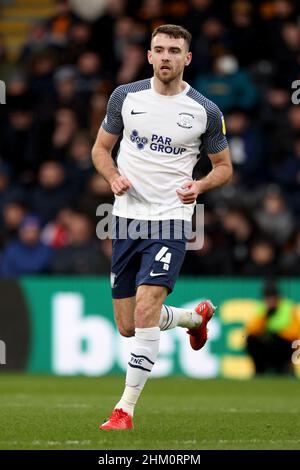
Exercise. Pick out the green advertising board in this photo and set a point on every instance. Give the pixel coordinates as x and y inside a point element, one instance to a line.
<point>68,327</point>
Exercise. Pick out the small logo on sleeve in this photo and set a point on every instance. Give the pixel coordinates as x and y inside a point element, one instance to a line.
<point>223,125</point>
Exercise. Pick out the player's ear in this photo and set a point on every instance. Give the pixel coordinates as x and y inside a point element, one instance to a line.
<point>188,59</point>
<point>149,55</point>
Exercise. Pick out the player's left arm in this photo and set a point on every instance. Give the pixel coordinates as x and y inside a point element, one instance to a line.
<point>219,175</point>
<point>216,146</point>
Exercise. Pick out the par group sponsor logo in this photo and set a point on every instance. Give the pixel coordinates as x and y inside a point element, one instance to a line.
<point>162,144</point>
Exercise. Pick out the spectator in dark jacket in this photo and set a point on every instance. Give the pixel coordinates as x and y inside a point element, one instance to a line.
<point>83,254</point>
<point>27,255</point>
<point>54,191</point>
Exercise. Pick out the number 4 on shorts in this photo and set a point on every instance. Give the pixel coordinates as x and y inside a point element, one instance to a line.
<point>163,256</point>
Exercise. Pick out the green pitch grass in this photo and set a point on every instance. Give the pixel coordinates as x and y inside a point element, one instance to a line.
<point>41,412</point>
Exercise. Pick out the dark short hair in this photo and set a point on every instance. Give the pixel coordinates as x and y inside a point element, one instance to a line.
<point>174,31</point>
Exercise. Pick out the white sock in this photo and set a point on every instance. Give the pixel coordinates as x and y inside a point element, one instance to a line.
<point>170,317</point>
<point>143,356</point>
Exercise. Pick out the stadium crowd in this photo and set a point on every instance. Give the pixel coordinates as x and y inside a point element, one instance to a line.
<point>246,55</point>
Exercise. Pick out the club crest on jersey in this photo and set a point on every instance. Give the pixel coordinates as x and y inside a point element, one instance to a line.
<point>185,120</point>
<point>139,141</point>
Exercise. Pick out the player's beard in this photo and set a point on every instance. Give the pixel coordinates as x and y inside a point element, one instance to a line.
<point>167,78</point>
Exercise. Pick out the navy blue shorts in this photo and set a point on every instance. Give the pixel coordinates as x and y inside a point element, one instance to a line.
<point>152,257</point>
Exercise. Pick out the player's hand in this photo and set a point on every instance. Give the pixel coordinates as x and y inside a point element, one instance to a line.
<point>188,193</point>
<point>120,184</point>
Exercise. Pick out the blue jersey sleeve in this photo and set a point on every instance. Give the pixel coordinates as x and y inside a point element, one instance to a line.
<point>113,121</point>
<point>214,139</point>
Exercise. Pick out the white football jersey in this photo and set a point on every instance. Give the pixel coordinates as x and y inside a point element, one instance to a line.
<point>162,136</point>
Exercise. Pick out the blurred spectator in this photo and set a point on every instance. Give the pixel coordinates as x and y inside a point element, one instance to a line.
<point>60,23</point>
<point>246,148</point>
<point>80,40</point>
<point>210,260</point>
<point>123,35</point>
<point>80,162</point>
<point>27,255</point>
<point>274,218</point>
<point>227,86</point>
<point>66,126</point>
<point>83,254</point>
<point>12,216</point>
<point>7,66</point>
<point>52,192</point>
<point>271,332</point>
<point>290,259</point>
<point>40,68</point>
<point>262,259</point>
<point>20,142</point>
<point>80,151</point>
<point>289,52</point>
<point>97,192</point>
<point>243,32</point>
<point>287,175</point>
<point>133,64</point>
<point>56,233</point>
<point>97,113</point>
<point>8,191</point>
<point>199,12</point>
<point>104,28</point>
<point>67,92</point>
<point>37,41</point>
<point>152,13</point>
<point>65,84</point>
<point>212,41</point>
<point>284,10</point>
<point>90,75</point>
<point>240,231</point>
<point>294,121</point>
<point>273,114</point>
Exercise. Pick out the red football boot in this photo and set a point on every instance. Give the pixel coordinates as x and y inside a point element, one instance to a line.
<point>198,336</point>
<point>118,420</point>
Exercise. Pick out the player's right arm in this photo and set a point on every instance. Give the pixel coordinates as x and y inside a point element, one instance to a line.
<point>109,132</point>
<point>104,163</point>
